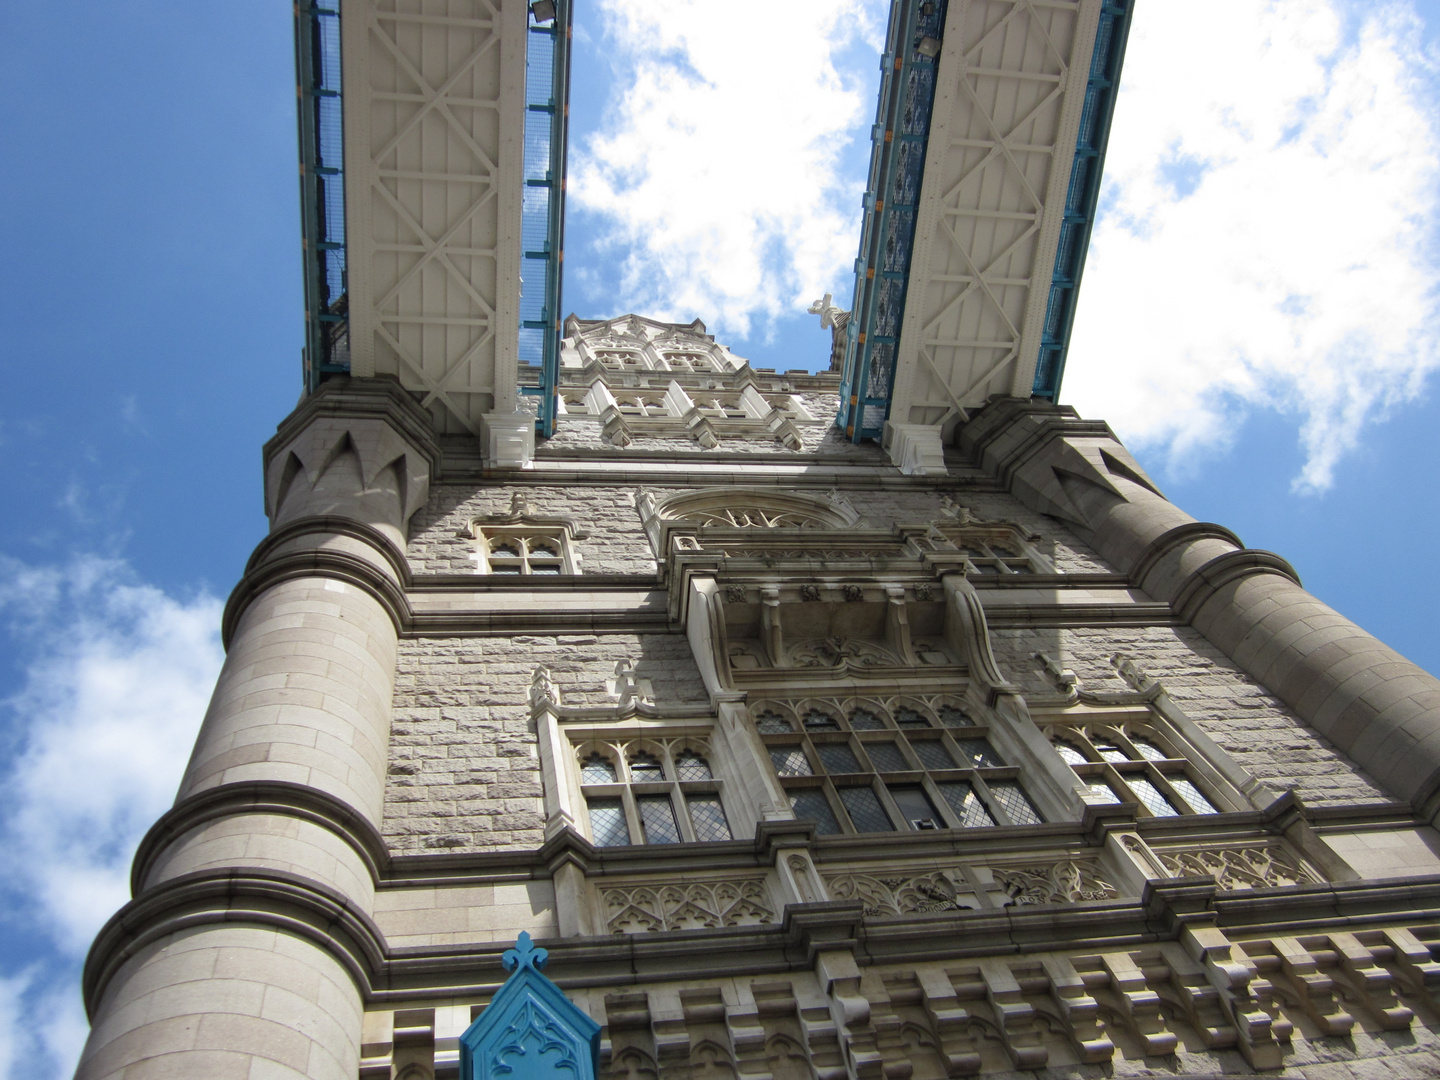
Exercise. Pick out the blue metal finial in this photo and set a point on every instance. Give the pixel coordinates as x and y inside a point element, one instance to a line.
<point>524,954</point>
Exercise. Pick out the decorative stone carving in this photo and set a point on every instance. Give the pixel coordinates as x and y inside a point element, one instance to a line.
<point>544,693</point>
<point>735,594</point>
<point>699,905</point>
<point>810,593</point>
<point>1239,868</point>
<point>944,890</point>
<point>1059,883</point>
<point>854,593</point>
<point>832,652</point>
<point>924,591</point>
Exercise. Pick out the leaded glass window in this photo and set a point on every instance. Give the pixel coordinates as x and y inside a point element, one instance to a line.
<point>892,768</point>
<point>668,794</point>
<point>1120,764</point>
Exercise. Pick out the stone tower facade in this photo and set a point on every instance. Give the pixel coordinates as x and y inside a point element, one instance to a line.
<point>800,765</point>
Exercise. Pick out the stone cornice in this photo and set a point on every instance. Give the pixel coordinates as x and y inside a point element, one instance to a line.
<point>1204,582</point>
<point>262,797</point>
<point>273,899</point>
<point>380,398</point>
<point>239,895</point>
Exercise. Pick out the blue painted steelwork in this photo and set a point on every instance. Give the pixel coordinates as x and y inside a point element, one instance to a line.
<point>542,223</point>
<point>897,162</point>
<point>530,1030</point>
<point>322,191</point>
<point>1083,194</point>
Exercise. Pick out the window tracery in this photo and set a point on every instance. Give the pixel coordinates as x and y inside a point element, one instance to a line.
<point>651,791</point>
<point>883,767</point>
<point>1131,763</point>
<point>524,551</point>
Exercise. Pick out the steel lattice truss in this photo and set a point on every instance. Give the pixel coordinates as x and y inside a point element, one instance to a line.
<point>434,126</point>
<point>1009,94</point>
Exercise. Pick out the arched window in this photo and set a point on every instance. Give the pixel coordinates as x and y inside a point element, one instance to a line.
<point>667,795</point>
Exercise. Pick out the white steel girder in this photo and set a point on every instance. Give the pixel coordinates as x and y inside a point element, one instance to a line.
<point>1008,98</point>
<point>434,106</point>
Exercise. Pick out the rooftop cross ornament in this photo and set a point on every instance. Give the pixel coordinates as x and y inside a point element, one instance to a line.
<point>530,1030</point>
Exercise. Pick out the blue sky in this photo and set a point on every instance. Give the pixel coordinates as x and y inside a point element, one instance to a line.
<point>150,317</point>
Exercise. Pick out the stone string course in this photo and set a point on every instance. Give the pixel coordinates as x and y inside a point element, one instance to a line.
<point>464,774</point>
<point>616,542</point>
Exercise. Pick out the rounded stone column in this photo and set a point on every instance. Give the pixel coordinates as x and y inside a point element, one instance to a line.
<point>248,947</point>
<point>1381,710</point>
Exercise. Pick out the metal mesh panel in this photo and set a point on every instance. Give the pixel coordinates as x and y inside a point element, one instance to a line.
<point>932,754</point>
<point>1110,752</point>
<point>657,819</point>
<point>815,720</point>
<point>1192,795</point>
<point>837,758</point>
<point>1149,751</point>
<point>887,757</point>
<point>708,818</point>
<point>1103,793</point>
<point>597,769</point>
<point>909,718</point>
<point>769,723</point>
<point>607,823</point>
<point>790,761</point>
<point>866,813</point>
<point>1070,755</point>
<point>691,766</point>
<point>1153,798</point>
<point>865,720</point>
<point>1008,794</point>
<point>981,754</point>
<point>953,717</point>
<point>967,806</point>
<point>811,805</point>
<point>644,769</point>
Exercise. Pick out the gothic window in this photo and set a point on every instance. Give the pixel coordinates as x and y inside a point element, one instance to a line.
<point>577,404</point>
<point>1128,764</point>
<point>874,769</point>
<point>619,359</point>
<point>655,792</point>
<point>679,361</point>
<point>997,550</point>
<point>641,405</point>
<point>524,551</point>
<point>724,406</point>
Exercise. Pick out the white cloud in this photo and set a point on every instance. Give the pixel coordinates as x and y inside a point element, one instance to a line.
<point>1300,273</point>
<point>115,676</point>
<point>720,168</point>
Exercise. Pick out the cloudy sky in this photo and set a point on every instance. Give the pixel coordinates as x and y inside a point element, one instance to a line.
<point>1258,320</point>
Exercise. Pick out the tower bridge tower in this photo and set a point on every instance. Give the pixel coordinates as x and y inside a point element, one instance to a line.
<point>886,721</point>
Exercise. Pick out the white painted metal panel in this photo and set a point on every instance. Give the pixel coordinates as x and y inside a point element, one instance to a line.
<point>1009,93</point>
<point>434,94</point>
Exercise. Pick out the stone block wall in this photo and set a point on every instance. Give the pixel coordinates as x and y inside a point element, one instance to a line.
<point>464,773</point>
<point>1253,726</point>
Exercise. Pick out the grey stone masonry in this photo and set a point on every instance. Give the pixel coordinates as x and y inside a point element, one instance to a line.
<point>1258,730</point>
<point>616,542</point>
<point>464,774</point>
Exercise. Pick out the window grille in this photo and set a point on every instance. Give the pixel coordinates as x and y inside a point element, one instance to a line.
<point>665,794</point>
<point>1122,764</point>
<point>887,770</point>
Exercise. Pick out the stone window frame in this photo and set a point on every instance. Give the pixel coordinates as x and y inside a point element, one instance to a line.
<point>526,562</point>
<point>945,728</point>
<point>1111,753</point>
<point>621,751</point>
<point>978,543</point>
<point>523,526</point>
